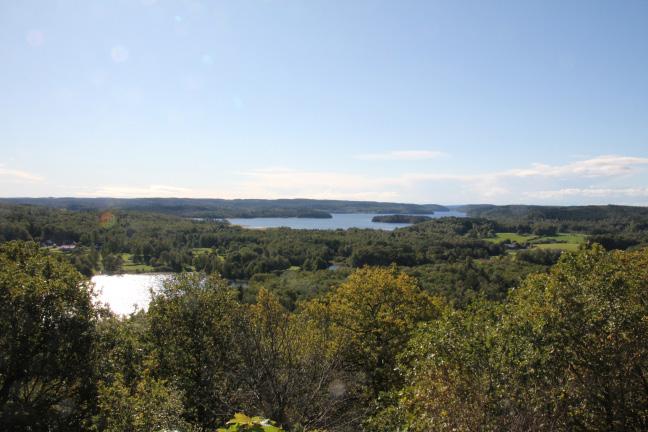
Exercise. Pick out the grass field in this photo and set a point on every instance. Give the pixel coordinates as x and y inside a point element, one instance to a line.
<point>520,238</point>
<point>52,249</point>
<point>130,267</point>
<point>567,238</point>
<point>204,251</point>
<point>558,246</point>
<point>561,241</point>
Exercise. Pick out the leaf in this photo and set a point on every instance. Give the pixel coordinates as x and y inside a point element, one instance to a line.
<point>242,419</point>
<point>270,428</point>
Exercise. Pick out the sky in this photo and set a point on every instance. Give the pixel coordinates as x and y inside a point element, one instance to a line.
<point>450,102</point>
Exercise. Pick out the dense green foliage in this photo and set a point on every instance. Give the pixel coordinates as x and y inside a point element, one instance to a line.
<point>167,243</point>
<point>47,334</point>
<point>454,257</point>
<point>613,226</point>
<point>412,219</point>
<point>451,324</point>
<point>221,208</point>
<point>567,350</point>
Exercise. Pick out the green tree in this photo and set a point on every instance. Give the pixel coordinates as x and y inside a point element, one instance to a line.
<point>112,263</point>
<point>146,405</point>
<point>579,337</point>
<point>451,371</point>
<point>192,321</point>
<point>569,351</point>
<point>47,333</point>
<point>291,368</point>
<point>372,316</point>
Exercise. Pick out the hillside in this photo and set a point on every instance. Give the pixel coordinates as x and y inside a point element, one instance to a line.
<point>572,213</point>
<point>222,208</point>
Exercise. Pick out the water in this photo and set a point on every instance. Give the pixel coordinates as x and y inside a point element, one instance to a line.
<point>338,221</point>
<point>127,293</point>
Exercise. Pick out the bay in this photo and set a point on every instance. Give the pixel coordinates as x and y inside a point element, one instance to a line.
<point>338,221</point>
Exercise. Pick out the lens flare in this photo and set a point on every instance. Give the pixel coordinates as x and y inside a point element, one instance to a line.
<point>119,54</point>
<point>35,38</point>
<point>107,219</point>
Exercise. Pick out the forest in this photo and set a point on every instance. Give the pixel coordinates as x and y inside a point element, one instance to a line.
<point>235,208</point>
<point>398,218</point>
<point>525,319</point>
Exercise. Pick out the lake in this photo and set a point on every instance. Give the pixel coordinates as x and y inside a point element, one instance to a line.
<point>128,292</point>
<point>125,293</point>
<point>338,221</point>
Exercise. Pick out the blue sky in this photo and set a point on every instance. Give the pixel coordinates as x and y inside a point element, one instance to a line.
<point>417,101</point>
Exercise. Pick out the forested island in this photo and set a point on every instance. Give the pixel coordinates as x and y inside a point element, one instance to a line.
<point>283,213</point>
<point>408,219</point>
<point>524,318</point>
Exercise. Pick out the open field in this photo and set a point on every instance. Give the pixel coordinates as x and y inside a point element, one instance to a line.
<point>130,267</point>
<point>566,238</point>
<point>520,238</point>
<point>561,241</point>
<point>558,246</point>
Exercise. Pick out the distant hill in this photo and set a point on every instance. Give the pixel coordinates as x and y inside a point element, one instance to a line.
<point>468,208</point>
<point>558,213</point>
<point>221,208</point>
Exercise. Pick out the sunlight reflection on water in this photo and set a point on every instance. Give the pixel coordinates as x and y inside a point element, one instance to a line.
<point>126,293</point>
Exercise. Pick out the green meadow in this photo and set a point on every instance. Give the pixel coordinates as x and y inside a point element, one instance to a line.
<point>131,267</point>
<point>561,241</point>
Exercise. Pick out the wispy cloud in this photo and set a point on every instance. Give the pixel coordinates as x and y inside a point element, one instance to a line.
<point>269,184</point>
<point>509,185</point>
<point>610,178</point>
<point>18,175</point>
<point>289,183</point>
<point>151,191</point>
<point>402,155</point>
<point>286,177</point>
<point>589,193</point>
<point>601,166</point>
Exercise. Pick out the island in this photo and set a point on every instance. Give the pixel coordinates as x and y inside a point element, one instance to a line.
<point>314,214</point>
<point>398,218</point>
<point>284,213</point>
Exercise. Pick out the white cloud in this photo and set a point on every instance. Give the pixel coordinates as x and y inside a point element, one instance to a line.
<point>589,193</point>
<point>289,178</point>
<point>288,183</point>
<point>510,185</point>
<point>609,178</point>
<point>267,184</point>
<point>403,155</point>
<point>601,166</point>
<point>18,175</point>
<point>151,191</point>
